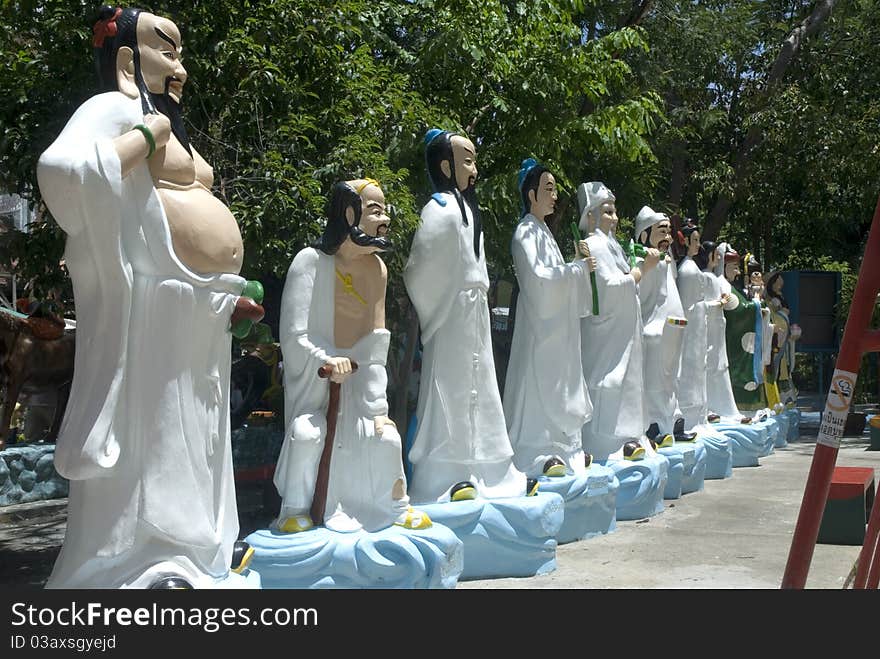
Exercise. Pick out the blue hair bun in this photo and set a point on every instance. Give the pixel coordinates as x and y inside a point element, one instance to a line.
<point>527,165</point>
<point>431,134</point>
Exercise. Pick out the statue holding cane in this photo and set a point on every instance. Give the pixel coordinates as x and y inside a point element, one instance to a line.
<point>340,463</point>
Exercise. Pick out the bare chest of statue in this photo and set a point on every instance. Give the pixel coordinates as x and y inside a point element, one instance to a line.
<point>204,233</point>
<point>359,299</point>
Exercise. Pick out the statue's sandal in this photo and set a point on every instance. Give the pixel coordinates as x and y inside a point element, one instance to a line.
<point>632,451</point>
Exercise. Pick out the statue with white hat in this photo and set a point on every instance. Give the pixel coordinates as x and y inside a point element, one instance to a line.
<point>663,332</point>
<point>611,342</point>
<point>546,401</point>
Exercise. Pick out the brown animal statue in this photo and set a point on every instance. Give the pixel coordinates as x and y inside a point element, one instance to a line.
<point>29,363</point>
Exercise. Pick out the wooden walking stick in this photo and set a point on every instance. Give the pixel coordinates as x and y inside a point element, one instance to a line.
<point>319,499</point>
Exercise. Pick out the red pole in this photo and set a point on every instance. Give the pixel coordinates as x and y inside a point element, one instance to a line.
<point>837,405</point>
<point>869,557</point>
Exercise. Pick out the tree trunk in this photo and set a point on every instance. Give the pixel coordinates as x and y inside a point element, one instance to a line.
<point>790,49</point>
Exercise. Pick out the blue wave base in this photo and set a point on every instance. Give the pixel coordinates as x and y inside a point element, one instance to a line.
<point>750,441</point>
<point>676,456</point>
<point>693,459</point>
<point>781,435</point>
<point>590,502</point>
<point>773,428</point>
<point>719,452</point>
<point>642,483</point>
<point>794,424</point>
<point>390,558</point>
<point>508,537</point>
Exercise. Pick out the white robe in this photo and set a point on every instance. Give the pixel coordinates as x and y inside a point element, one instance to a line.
<point>692,379</point>
<point>364,466</point>
<point>611,352</point>
<point>461,433</point>
<point>145,438</point>
<point>658,295</point>
<point>719,393</point>
<point>546,401</point>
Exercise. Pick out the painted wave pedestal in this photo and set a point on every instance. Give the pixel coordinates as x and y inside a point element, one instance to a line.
<point>507,537</point>
<point>719,451</point>
<point>590,502</point>
<point>750,441</point>
<point>687,468</point>
<point>642,483</point>
<point>390,558</point>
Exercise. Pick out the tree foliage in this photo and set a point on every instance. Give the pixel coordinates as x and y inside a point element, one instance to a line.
<point>655,98</point>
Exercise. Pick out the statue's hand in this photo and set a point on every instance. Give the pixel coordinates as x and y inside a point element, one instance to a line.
<point>725,298</point>
<point>380,422</point>
<point>160,127</point>
<point>340,369</point>
<point>652,258</point>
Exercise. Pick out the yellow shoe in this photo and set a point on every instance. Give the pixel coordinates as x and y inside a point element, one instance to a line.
<point>664,440</point>
<point>532,487</point>
<point>296,524</point>
<point>554,467</point>
<point>242,554</point>
<point>463,491</point>
<point>632,451</point>
<point>414,519</point>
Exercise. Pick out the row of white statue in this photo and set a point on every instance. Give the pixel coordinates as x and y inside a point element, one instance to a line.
<point>612,354</point>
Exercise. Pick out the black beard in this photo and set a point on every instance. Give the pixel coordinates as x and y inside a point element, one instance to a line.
<point>173,110</point>
<point>469,196</point>
<point>358,237</point>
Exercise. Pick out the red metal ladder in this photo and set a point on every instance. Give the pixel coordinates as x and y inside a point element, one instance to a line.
<point>858,339</point>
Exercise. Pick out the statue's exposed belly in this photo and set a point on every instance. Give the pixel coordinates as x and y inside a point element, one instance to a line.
<point>204,232</point>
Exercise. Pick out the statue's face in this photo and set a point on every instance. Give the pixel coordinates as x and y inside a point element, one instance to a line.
<point>731,270</point>
<point>777,286</point>
<point>159,48</point>
<point>374,220</point>
<point>661,235</point>
<point>694,244</point>
<point>608,217</point>
<point>544,198</point>
<point>465,155</point>
<point>756,279</point>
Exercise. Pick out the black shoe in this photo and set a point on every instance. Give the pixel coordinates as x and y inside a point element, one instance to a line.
<point>680,434</point>
<point>531,487</point>
<point>588,460</point>
<point>713,418</point>
<point>554,467</point>
<point>242,553</point>
<point>632,451</point>
<point>658,439</point>
<point>463,491</point>
<point>170,583</point>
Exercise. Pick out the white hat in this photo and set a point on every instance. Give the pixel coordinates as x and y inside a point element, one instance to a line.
<point>590,196</point>
<point>723,248</point>
<point>646,218</point>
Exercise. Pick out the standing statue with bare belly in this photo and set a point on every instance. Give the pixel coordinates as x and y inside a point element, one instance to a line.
<point>154,258</point>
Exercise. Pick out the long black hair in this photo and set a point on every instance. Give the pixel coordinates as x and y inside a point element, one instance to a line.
<point>117,28</point>
<point>531,182</point>
<point>684,236</point>
<point>768,289</point>
<point>438,147</point>
<point>702,257</point>
<point>343,197</point>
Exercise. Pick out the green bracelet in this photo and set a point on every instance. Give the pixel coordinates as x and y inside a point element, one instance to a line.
<point>148,135</point>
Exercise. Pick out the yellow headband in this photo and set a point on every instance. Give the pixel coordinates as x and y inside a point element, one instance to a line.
<point>367,181</point>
